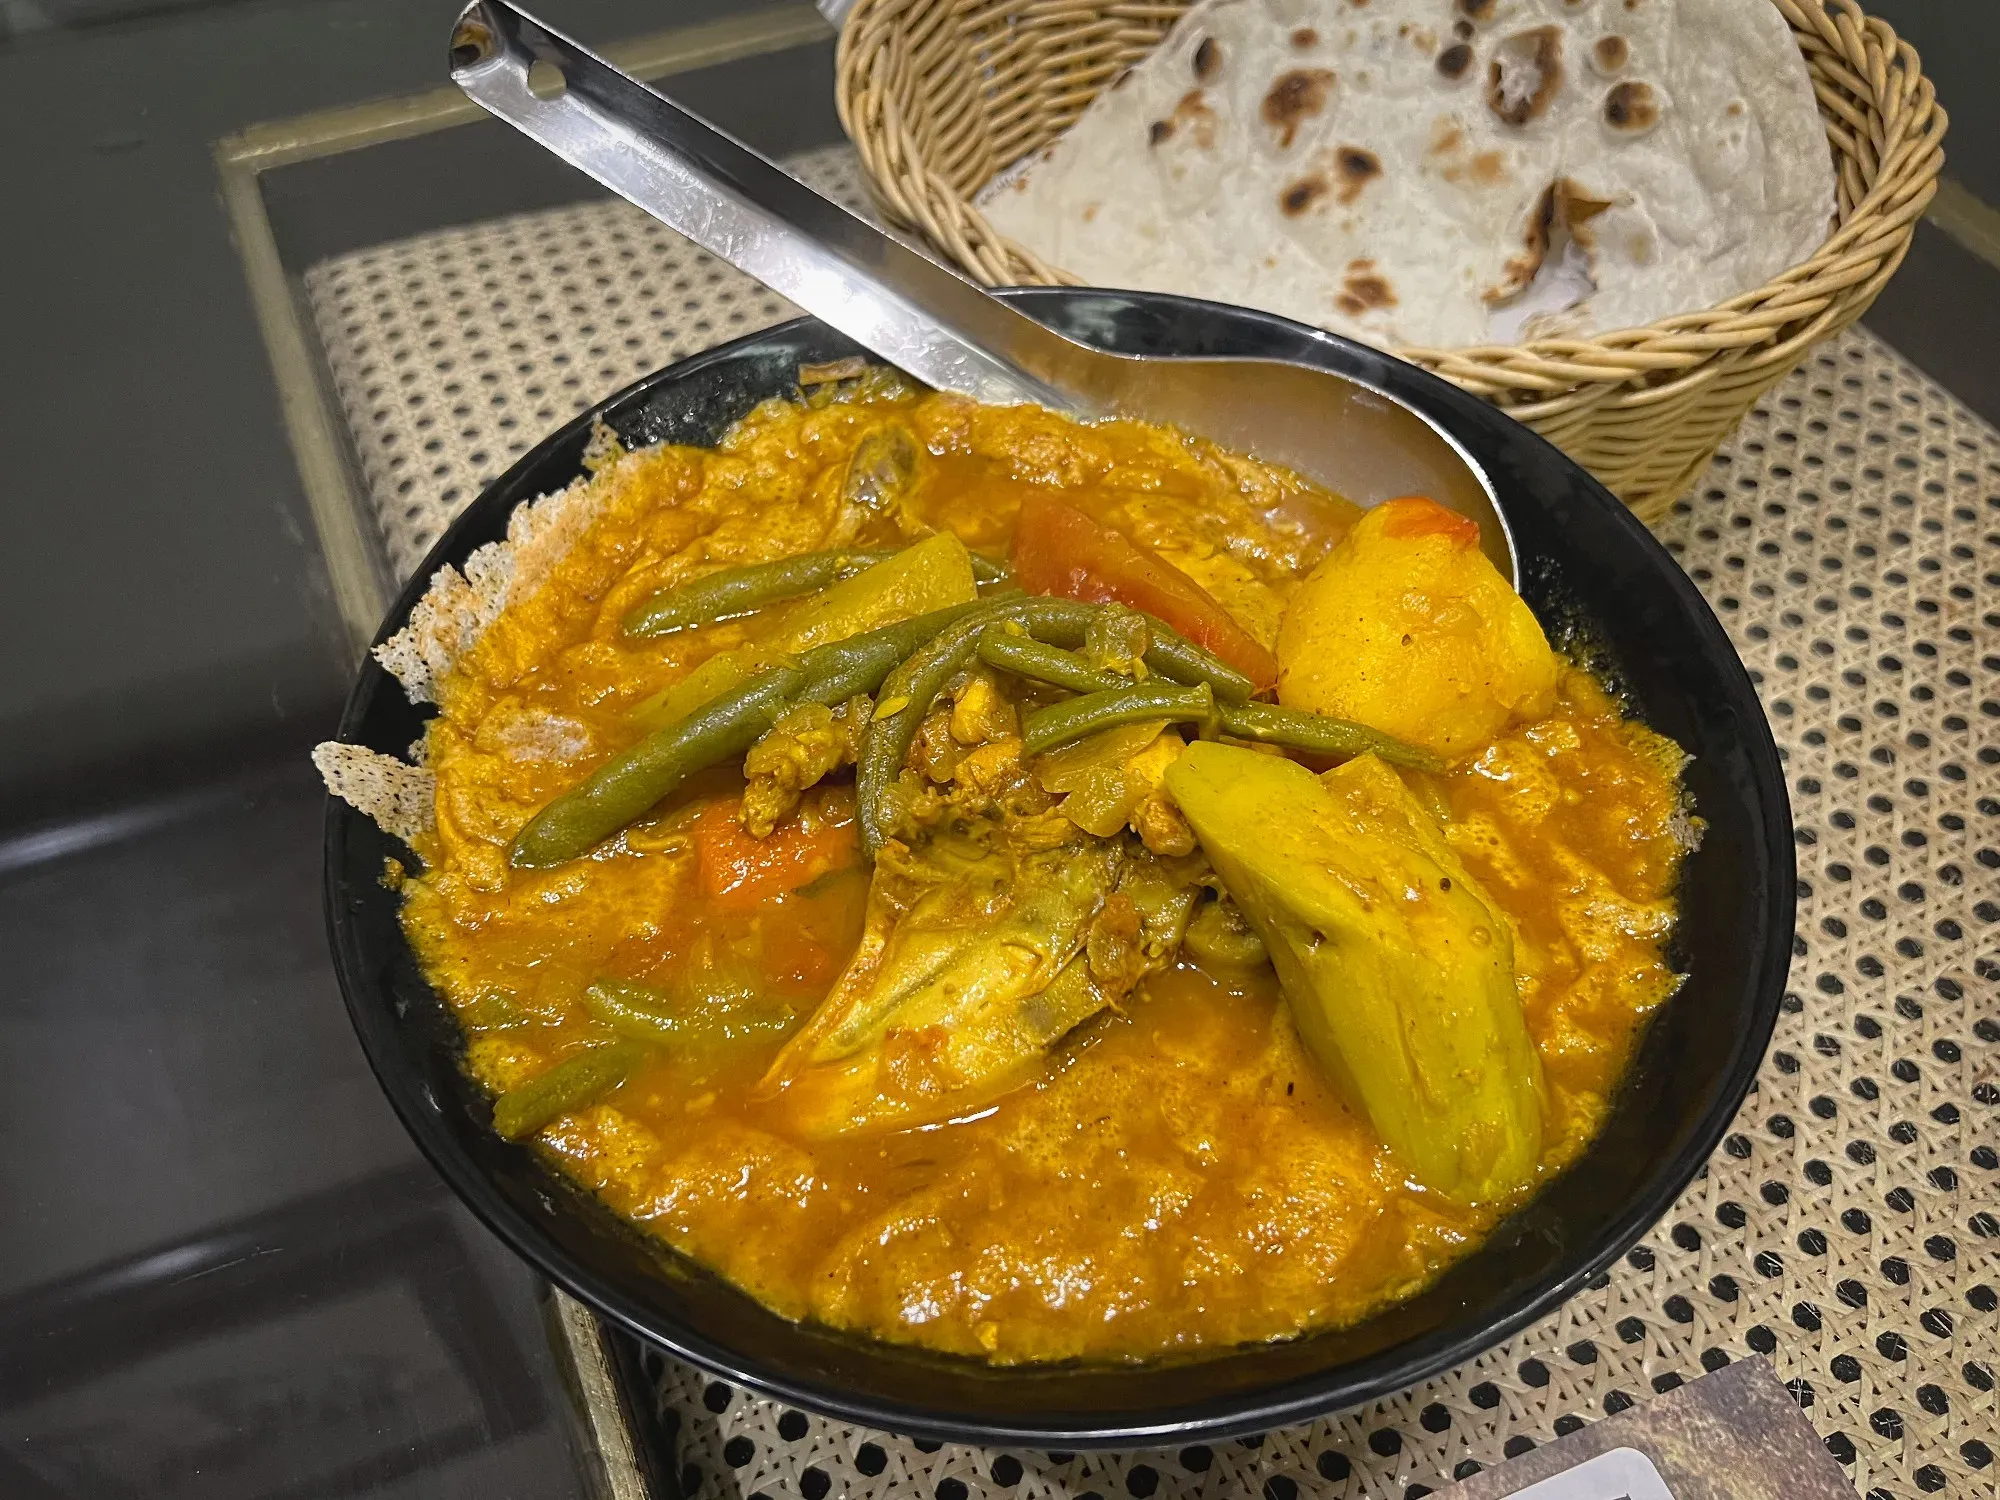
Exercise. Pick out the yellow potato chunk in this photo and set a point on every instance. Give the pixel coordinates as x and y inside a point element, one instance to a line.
<point>1407,628</point>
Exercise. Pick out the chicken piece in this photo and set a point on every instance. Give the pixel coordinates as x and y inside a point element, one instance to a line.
<point>1156,820</point>
<point>880,469</point>
<point>1396,968</point>
<point>1161,828</point>
<point>934,751</point>
<point>1112,782</point>
<point>1220,938</point>
<point>801,748</point>
<point>1163,893</point>
<point>1407,628</point>
<point>970,968</point>
<point>991,770</point>
<point>981,713</point>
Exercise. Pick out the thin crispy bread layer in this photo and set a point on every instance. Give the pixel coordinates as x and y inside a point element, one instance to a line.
<point>398,796</point>
<point>448,621</point>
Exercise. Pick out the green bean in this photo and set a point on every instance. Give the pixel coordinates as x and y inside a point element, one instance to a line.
<point>739,591</point>
<point>1075,717</point>
<point>1063,622</point>
<point>634,1010</point>
<point>574,1083</point>
<point>627,784</point>
<point>1181,660</point>
<point>838,670</point>
<point>909,691</point>
<point>711,1010</point>
<point>1267,723</point>
<point>1025,656</point>
<point>724,727</point>
<point>1322,734</point>
<point>742,591</point>
<point>493,1009</point>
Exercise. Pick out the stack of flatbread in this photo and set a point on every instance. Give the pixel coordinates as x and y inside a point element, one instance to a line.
<point>1442,173</point>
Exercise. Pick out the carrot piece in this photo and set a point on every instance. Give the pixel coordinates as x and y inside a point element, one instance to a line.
<point>1413,516</point>
<point>1061,551</point>
<point>738,872</point>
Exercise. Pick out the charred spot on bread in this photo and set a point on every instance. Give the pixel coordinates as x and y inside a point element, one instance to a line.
<point>1454,60</point>
<point>1356,168</point>
<point>1476,10</point>
<point>1294,97</point>
<point>1526,72</point>
<point>1363,289</point>
<point>1305,37</point>
<point>1611,53</point>
<point>1565,206</point>
<point>1631,107</point>
<point>1192,111</point>
<point>1487,169</point>
<point>1207,59</point>
<point>1301,195</point>
<point>1462,30</point>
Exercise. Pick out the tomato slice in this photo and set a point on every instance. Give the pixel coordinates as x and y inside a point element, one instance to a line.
<point>740,873</point>
<point>1411,516</point>
<point>1061,551</point>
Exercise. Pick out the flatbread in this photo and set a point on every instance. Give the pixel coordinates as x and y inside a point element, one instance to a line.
<point>1440,173</point>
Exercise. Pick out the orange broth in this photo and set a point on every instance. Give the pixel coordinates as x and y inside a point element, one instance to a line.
<point>1181,1177</point>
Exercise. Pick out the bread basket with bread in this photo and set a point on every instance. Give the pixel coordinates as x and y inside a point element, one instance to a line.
<point>951,102</point>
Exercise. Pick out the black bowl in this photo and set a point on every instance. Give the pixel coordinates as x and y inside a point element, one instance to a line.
<point>1585,560</point>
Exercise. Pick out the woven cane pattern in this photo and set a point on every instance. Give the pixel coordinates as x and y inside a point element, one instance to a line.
<point>1849,537</point>
<point>940,96</point>
<point>453,353</point>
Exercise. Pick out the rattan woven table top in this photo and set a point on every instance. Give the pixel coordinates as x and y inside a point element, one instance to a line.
<point>1849,1227</point>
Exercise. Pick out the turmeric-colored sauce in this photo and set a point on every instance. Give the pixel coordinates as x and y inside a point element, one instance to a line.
<point>1181,1176</point>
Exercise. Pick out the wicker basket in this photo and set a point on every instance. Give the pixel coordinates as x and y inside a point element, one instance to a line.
<point>940,95</point>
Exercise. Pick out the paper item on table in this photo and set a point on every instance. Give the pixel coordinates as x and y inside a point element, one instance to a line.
<point>1736,1434</point>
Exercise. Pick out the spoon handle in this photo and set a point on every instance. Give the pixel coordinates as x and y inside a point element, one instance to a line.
<point>745,210</point>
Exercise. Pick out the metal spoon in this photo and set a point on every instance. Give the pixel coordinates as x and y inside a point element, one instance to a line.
<point>925,319</point>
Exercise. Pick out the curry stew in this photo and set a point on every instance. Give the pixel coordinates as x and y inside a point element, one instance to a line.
<point>1038,891</point>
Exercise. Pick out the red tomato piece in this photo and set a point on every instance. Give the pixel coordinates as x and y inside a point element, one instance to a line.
<point>1414,516</point>
<point>739,872</point>
<point>1061,551</point>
